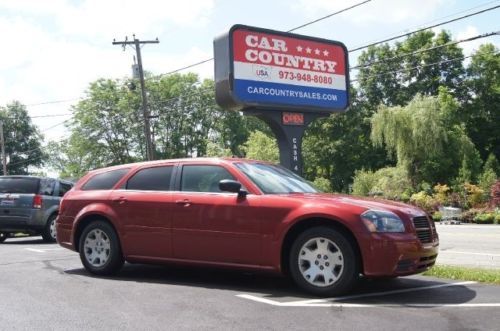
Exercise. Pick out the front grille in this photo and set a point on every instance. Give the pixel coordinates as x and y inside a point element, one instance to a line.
<point>424,229</point>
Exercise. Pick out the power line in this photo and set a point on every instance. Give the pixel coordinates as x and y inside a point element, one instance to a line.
<point>317,20</point>
<point>329,15</point>
<point>293,29</point>
<point>50,102</point>
<point>438,19</point>
<point>426,50</point>
<point>426,28</point>
<point>420,66</point>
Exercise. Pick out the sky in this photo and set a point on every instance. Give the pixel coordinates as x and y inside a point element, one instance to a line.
<point>53,49</point>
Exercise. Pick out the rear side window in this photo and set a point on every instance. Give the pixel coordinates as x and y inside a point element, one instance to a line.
<point>64,188</point>
<point>104,181</point>
<point>47,186</point>
<point>151,179</point>
<point>19,185</point>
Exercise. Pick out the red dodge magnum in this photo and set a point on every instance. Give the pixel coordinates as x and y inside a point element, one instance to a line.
<point>240,214</point>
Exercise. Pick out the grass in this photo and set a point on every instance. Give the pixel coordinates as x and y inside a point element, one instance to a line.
<point>491,276</point>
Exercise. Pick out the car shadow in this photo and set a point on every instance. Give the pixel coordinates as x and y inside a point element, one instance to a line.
<point>405,291</point>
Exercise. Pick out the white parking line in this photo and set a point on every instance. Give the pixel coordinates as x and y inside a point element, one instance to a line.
<point>45,250</point>
<point>361,305</point>
<point>468,253</point>
<point>334,302</point>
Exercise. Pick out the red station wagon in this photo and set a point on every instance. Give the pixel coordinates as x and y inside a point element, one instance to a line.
<point>240,214</point>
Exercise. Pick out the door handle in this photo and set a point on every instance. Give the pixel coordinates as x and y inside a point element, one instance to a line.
<point>120,200</point>
<point>185,202</point>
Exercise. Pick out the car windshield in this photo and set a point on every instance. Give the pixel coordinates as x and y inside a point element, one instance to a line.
<point>274,179</point>
<point>19,185</point>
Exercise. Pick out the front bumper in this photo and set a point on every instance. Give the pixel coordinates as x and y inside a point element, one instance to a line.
<point>386,255</point>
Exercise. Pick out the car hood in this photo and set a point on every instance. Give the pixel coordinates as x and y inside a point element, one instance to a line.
<point>360,204</point>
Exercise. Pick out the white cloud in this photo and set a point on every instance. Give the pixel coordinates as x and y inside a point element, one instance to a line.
<point>382,12</point>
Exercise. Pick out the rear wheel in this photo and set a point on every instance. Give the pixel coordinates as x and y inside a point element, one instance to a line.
<point>323,262</point>
<point>100,250</point>
<point>49,232</point>
<point>3,236</point>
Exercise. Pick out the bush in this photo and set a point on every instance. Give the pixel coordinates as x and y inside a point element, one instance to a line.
<point>424,201</point>
<point>484,218</point>
<point>390,183</point>
<point>441,193</point>
<point>469,215</point>
<point>323,184</point>
<point>437,216</point>
<point>474,194</point>
<point>495,194</point>
<point>364,181</point>
<point>497,219</point>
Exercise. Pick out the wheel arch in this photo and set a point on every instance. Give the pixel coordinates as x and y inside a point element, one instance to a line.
<point>86,220</point>
<point>308,223</point>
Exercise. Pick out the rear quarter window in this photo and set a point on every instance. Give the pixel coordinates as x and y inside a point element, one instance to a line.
<point>105,180</point>
<point>151,179</point>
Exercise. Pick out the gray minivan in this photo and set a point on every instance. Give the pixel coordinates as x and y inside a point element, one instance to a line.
<point>30,205</point>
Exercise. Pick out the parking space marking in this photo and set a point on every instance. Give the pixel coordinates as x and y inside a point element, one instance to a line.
<point>378,294</point>
<point>363,305</point>
<point>44,250</point>
<point>335,302</point>
<point>468,253</point>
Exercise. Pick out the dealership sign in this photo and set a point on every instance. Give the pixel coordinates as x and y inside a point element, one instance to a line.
<point>265,69</point>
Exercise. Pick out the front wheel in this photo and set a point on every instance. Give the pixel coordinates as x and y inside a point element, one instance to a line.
<point>323,262</point>
<point>100,250</point>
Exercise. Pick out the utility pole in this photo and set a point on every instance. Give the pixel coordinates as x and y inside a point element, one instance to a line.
<point>4,157</point>
<point>145,111</point>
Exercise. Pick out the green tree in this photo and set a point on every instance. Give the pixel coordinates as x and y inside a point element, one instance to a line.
<point>260,146</point>
<point>393,75</point>
<point>481,113</point>
<point>23,140</point>
<point>424,140</point>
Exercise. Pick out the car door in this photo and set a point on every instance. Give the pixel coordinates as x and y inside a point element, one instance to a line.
<point>144,205</point>
<point>210,225</point>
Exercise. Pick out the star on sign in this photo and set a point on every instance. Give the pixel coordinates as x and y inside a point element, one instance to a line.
<point>325,52</point>
<point>308,50</point>
<point>299,48</point>
<point>317,51</point>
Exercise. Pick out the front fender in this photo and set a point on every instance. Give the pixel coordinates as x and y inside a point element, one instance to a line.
<point>348,219</point>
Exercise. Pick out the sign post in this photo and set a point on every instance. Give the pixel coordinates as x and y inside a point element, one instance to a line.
<point>285,79</point>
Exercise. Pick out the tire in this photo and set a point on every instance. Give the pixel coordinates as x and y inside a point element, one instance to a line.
<point>3,236</point>
<point>49,231</point>
<point>324,262</point>
<point>100,250</point>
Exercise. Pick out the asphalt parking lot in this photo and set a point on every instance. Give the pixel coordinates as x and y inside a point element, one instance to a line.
<point>469,245</point>
<point>44,287</point>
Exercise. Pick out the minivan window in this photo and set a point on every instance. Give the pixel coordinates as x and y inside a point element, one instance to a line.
<point>47,186</point>
<point>104,181</point>
<point>151,179</point>
<point>64,188</point>
<point>19,185</point>
<point>203,178</point>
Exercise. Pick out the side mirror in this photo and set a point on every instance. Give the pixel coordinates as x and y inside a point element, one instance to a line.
<point>229,185</point>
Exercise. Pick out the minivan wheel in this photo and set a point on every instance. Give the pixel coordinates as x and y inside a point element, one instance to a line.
<point>323,262</point>
<point>3,236</point>
<point>49,232</point>
<point>100,250</point>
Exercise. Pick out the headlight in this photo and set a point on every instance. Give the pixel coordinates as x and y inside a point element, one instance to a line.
<point>382,221</point>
